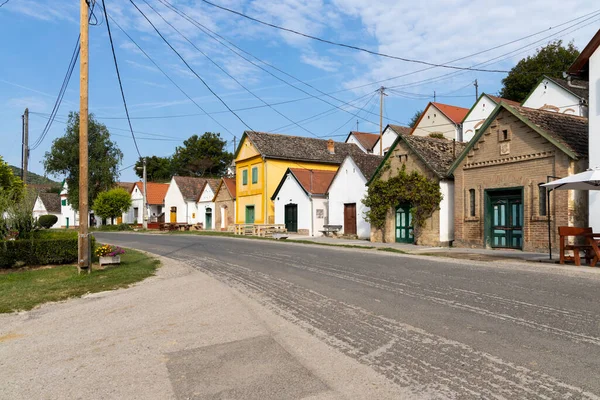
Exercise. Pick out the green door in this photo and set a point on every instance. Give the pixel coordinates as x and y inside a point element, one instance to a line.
<point>507,220</point>
<point>208,219</point>
<point>404,228</point>
<point>249,214</point>
<point>291,217</point>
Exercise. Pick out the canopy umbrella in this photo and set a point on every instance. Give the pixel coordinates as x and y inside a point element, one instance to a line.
<point>587,180</point>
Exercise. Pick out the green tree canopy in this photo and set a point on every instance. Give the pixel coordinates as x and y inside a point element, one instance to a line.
<point>11,186</point>
<point>414,119</point>
<point>104,159</point>
<point>202,156</point>
<point>158,169</point>
<point>111,204</point>
<point>551,60</point>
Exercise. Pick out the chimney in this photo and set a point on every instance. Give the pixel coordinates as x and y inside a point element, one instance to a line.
<point>330,146</point>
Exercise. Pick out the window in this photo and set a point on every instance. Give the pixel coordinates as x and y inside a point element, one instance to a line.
<point>63,202</point>
<point>543,200</point>
<point>135,213</point>
<point>245,177</point>
<point>254,175</point>
<point>471,202</point>
<point>504,134</point>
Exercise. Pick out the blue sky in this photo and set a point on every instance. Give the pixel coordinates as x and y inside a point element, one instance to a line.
<point>37,38</point>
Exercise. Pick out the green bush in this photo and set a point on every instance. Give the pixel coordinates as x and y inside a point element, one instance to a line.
<point>47,221</point>
<point>120,227</point>
<point>29,252</point>
<point>55,234</point>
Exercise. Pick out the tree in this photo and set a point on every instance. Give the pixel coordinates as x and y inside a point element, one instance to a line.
<point>158,169</point>
<point>11,186</point>
<point>551,60</point>
<point>415,118</point>
<point>202,156</point>
<point>104,159</point>
<point>112,203</point>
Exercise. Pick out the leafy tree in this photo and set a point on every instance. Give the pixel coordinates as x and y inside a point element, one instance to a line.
<point>202,156</point>
<point>104,159</point>
<point>414,119</point>
<point>551,60</point>
<point>47,221</point>
<point>112,203</point>
<point>158,169</point>
<point>10,184</point>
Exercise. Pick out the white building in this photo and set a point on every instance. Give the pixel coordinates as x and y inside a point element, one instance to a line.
<point>587,66</point>
<point>477,115</point>
<point>346,192</point>
<point>206,205</point>
<point>300,200</point>
<point>155,201</point>
<point>69,218</point>
<point>48,204</point>
<point>444,119</point>
<point>553,94</point>
<point>389,135</point>
<point>365,141</point>
<point>181,198</point>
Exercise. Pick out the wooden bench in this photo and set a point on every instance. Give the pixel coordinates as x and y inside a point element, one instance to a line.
<point>564,233</point>
<point>327,229</point>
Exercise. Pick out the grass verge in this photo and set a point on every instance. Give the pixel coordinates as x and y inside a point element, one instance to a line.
<point>23,290</point>
<point>391,250</point>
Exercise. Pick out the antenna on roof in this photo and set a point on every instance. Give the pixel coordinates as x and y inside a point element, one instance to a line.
<point>356,125</point>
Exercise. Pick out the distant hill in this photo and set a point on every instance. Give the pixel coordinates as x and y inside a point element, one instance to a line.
<point>34,179</point>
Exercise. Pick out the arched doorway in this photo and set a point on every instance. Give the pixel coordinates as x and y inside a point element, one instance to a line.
<point>208,218</point>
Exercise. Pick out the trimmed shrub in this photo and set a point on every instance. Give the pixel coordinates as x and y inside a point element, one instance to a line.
<point>29,252</point>
<point>120,227</point>
<point>47,221</point>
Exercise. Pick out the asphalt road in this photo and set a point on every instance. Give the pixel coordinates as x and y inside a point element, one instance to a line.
<point>440,328</point>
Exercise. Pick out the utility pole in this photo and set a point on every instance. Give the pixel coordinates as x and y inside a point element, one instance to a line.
<point>234,144</point>
<point>25,156</point>
<point>145,200</point>
<point>381,94</point>
<point>84,236</point>
<point>434,97</point>
<point>356,125</point>
<point>476,89</point>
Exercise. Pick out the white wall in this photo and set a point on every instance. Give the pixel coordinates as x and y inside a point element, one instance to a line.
<point>434,121</point>
<point>475,119</point>
<point>174,198</point>
<point>137,201</point>
<point>548,93</point>
<point>39,209</point>
<point>389,136</point>
<point>447,211</point>
<point>594,138</point>
<point>66,211</point>
<point>319,203</point>
<point>292,193</point>
<point>206,202</point>
<point>352,139</point>
<point>348,187</point>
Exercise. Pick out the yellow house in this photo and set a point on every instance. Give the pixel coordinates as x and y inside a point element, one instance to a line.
<point>262,159</point>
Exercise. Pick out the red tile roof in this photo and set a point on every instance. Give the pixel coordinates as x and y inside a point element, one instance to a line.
<point>455,114</point>
<point>367,140</point>
<point>313,181</point>
<point>156,192</point>
<point>230,183</point>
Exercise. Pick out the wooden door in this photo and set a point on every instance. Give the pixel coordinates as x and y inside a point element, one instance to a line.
<point>404,228</point>
<point>507,220</point>
<point>291,217</point>
<point>208,219</point>
<point>350,219</point>
<point>173,218</point>
<point>249,214</point>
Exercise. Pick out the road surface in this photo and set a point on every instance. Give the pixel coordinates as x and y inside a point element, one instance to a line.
<point>440,328</point>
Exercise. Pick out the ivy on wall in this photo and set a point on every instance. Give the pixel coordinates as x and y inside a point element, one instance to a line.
<point>421,193</point>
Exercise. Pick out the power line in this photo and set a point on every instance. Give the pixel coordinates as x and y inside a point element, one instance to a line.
<point>112,47</point>
<point>4,3</point>
<point>352,117</point>
<point>190,68</point>
<point>227,73</point>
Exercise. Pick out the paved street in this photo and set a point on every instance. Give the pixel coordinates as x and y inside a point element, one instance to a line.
<point>439,328</point>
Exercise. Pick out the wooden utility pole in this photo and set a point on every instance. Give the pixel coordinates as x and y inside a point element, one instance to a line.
<point>25,155</point>
<point>145,200</point>
<point>84,238</point>
<point>476,84</point>
<point>381,94</point>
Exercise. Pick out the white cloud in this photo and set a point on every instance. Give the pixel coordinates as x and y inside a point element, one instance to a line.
<point>31,102</point>
<point>320,62</point>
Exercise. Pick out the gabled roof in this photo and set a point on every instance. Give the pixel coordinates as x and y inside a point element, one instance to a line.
<point>227,184</point>
<point>313,181</point>
<point>404,130</point>
<point>190,187</point>
<point>454,113</point>
<point>298,148</point>
<point>367,164</point>
<point>567,132</point>
<point>582,93</point>
<point>497,100</point>
<point>125,185</point>
<point>437,154</point>
<point>581,66</point>
<point>51,202</point>
<point>212,183</point>
<point>367,140</point>
<point>156,191</point>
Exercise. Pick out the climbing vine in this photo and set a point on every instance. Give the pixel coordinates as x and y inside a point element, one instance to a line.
<point>422,193</point>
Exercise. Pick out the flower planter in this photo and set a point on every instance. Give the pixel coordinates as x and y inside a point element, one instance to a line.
<point>106,260</point>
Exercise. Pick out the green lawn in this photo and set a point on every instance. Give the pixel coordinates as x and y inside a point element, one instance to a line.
<point>23,290</point>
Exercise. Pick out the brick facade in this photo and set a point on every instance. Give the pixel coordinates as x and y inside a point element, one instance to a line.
<point>223,199</point>
<point>510,154</point>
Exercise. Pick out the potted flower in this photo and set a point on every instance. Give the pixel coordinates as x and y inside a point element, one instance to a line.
<point>109,254</point>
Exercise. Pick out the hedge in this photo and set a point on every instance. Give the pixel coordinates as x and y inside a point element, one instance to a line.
<point>29,252</point>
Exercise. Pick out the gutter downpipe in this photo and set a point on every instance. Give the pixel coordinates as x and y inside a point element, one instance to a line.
<point>312,216</point>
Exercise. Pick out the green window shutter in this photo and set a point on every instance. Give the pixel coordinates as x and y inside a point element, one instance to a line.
<point>63,202</point>
<point>255,175</point>
<point>245,177</point>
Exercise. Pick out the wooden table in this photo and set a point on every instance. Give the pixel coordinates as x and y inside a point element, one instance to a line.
<point>593,242</point>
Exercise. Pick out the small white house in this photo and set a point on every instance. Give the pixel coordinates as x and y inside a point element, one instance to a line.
<point>477,115</point>
<point>553,94</point>
<point>48,204</point>
<point>346,192</point>
<point>155,201</point>
<point>69,218</point>
<point>389,135</point>
<point>300,200</point>
<point>206,205</point>
<point>444,119</point>
<point>365,141</point>
<point>181,198</point>
<point>587,66</point>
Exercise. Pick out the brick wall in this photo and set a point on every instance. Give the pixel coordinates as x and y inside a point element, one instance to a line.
<point>224,199</point>
<point>523,161</point>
